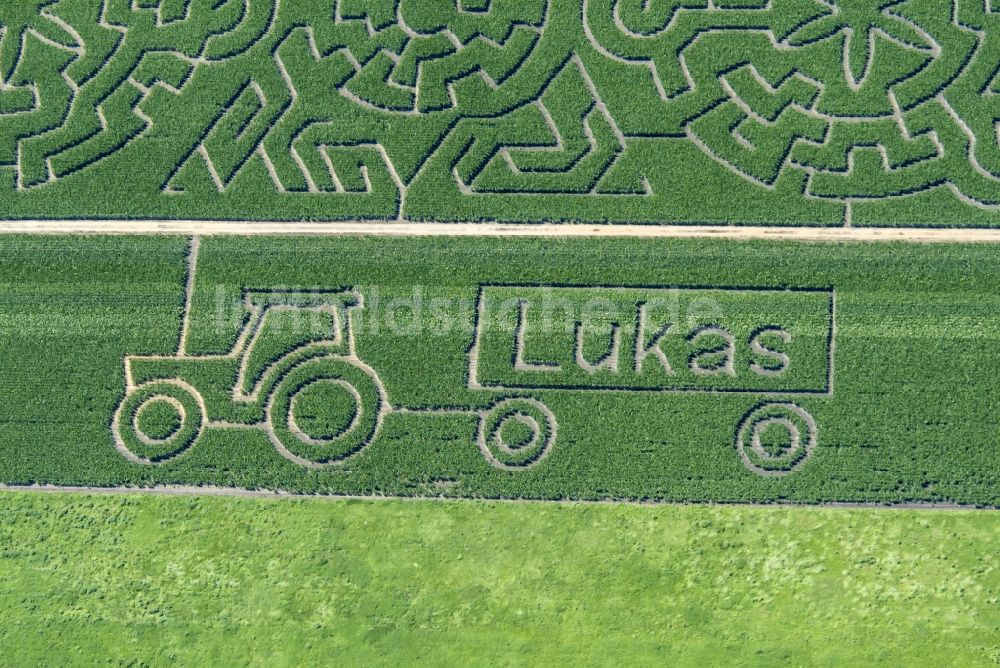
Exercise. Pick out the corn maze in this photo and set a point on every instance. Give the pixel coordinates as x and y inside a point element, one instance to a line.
<point>502,326</point>
<point>819,112</point>
<point>525,368</point>
<point>498,366</point>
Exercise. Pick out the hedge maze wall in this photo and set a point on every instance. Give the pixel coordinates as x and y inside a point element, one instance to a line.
<point>820,112</point>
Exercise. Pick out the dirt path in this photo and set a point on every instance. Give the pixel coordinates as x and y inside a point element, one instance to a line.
<point>403,228</point>
<point>190,490</point>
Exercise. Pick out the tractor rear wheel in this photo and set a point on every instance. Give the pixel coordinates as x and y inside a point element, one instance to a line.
<point>325,410</point>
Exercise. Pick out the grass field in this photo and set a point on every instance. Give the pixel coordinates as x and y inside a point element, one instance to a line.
<point>470,367</point>
<point>129,580</point>
<point>778,112</point>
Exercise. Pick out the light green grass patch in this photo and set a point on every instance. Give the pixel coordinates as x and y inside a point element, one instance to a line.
<point>151,580</point>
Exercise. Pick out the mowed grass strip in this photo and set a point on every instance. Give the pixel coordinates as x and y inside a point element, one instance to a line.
<point>147,580</point>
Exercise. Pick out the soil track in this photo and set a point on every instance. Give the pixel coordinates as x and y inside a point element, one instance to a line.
<point>207,490</point>
<point>413,229</point>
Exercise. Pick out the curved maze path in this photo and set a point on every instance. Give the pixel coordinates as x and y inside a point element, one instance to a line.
<point>817,112</point>
<point>821,112</point>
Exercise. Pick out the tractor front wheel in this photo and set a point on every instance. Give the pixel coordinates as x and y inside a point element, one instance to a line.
<point>157,421</point>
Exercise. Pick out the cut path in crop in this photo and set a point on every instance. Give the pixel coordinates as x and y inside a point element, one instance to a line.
<point>239,492</point>
<point>494,229</point>
<point>756,112</point>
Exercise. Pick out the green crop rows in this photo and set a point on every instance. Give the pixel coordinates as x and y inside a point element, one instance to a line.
<point>592,369</point>
<point>820,112</point>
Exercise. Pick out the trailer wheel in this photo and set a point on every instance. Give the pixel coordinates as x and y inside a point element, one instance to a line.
<point>775,439</point>
<point>324,411</point>
<point>516,434</point>
<point>157,421</point>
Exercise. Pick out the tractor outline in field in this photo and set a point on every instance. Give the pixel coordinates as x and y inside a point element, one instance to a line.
<point>269,390</point>
<point>275,385</point>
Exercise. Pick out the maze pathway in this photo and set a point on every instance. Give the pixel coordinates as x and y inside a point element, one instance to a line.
<point>755,112</point>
